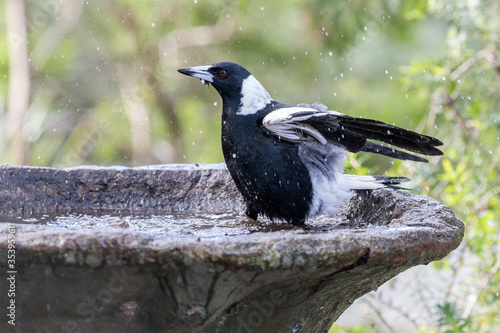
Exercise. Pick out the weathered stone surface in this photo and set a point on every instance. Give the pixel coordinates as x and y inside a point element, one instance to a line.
<point>172,188</point>
<point>281,279</point>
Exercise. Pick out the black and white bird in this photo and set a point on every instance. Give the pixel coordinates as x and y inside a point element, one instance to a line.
<point>287,161</point>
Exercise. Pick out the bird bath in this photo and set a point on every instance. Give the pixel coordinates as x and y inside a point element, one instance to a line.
<point>165,248</point>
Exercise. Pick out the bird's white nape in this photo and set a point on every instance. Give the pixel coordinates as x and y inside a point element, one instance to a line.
<point>254,97</point>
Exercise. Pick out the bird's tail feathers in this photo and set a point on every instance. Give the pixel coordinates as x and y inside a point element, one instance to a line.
<point>357,182</point>
<point>373,147</point>
<point>399,137</point>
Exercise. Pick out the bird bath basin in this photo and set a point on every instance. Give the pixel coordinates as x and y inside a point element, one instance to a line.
<point>165,248</point>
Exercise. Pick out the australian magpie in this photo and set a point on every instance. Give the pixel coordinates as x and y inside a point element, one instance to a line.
<point>287,161</point>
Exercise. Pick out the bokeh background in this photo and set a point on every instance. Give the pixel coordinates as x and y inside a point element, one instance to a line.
<point>95,82</point>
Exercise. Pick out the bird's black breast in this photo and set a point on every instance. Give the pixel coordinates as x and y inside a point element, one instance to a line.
<point>268,172</point>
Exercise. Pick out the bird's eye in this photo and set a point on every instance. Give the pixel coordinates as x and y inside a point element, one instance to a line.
<point>222,73</point>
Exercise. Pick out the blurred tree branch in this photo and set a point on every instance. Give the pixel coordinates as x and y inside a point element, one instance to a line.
<point>19,81</point>
<point>69,14</point>
<point>138,115</point>
<point>193,37</point>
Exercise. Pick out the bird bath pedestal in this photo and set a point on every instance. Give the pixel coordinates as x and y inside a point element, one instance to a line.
<point>219,272</point>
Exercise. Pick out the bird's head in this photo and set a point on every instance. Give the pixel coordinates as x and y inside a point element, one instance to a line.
<point>234,83</point>
<point>226,77</point>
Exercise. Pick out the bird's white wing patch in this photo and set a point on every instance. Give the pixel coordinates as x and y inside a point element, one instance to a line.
<point>287,123</point>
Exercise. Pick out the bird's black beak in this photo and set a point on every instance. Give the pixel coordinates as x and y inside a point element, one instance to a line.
<point>200,72</point>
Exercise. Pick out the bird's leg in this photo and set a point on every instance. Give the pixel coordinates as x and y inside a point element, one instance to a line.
<point>251,212</point>
<point>298,221</point>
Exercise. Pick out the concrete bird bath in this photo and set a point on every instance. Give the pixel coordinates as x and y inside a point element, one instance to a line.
<point>197,265</point>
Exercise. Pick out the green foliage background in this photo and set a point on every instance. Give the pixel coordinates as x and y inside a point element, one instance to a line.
<point>103,89</point>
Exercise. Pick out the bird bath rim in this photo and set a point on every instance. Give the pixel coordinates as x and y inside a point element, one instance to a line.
<point>394,225</point>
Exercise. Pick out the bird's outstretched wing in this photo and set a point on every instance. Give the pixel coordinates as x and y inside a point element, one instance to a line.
<point>296,124</point>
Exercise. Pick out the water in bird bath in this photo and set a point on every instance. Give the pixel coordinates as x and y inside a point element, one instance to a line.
<point>203,225</point>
